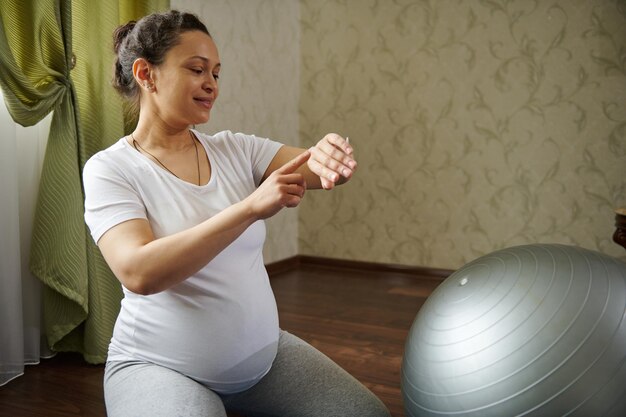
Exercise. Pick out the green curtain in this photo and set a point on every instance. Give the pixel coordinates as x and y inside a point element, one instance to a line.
<point>56,55</point>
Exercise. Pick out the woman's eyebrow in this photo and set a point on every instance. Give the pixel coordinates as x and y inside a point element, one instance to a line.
<point>205,59</point>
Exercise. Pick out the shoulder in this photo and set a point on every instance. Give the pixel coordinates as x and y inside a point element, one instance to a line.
<point>108,160</point>
<point>225,138</point>
<point>230,137</point>
<point>113,151</point>
<point>231,143</point>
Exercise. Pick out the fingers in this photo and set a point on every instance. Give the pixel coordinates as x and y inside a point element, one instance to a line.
<point>339,142</point>
<point>327,184</point>
<point>325,173</point>
<point>277,192</point>
<point>332,159</point>
<point>291,189</point>
<point>332,163</point>
<point>293,195</point>
<point>293,184</point>
<point>291,166</point>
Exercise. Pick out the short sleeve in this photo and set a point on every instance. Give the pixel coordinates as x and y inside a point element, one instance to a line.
<point>109,197</point>
<point>260,152</point>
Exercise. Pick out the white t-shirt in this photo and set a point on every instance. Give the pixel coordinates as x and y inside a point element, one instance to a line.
<point>219,326</point>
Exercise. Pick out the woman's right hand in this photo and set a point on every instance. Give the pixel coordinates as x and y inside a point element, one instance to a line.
<point>282,188</point>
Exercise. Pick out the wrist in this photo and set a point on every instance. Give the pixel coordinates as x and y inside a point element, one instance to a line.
<point>246,209</point>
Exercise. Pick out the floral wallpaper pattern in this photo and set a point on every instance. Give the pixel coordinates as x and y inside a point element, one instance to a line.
<point>478,125</point>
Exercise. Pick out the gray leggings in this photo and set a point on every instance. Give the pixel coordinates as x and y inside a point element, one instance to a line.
<point>302,383</point>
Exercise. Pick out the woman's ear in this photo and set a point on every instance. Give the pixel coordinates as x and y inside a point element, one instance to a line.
<point>142,72</point>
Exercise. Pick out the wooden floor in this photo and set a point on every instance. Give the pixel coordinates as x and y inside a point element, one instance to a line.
<point>360,318</point>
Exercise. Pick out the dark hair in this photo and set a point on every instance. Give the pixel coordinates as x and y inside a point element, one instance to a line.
<point>150,38</point>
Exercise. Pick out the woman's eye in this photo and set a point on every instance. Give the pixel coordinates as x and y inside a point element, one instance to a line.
<point>216,76</point>
<point>198,70</point>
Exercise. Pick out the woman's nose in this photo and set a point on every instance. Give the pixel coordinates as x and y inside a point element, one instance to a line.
<point>210,84</point>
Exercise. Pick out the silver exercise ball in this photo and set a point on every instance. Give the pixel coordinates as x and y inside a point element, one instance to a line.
<point>532,330</point>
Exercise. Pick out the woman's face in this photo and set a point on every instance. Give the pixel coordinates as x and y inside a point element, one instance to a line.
<point>186,81</point>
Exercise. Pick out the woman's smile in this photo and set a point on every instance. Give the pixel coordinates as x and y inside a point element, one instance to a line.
<point>206,102</point>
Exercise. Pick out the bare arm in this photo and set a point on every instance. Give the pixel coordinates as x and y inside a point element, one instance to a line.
<point>146,265</point>
<point>331,163</point>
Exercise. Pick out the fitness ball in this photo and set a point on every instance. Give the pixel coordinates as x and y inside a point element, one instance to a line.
<point>531,330</point>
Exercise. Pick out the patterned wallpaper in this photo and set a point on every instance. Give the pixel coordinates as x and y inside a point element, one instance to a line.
<point>478,125</point>
<point>259,46</point>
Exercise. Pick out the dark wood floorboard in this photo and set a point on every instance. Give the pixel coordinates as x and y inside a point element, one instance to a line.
<point>360,319</point>
<point>59,387</point>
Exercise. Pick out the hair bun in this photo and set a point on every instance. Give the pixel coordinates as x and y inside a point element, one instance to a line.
<point>120,33</point>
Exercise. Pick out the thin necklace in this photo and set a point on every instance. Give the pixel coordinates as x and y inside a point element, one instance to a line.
<point>139,148</point>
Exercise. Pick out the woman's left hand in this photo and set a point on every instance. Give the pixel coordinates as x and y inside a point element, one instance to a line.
<point>332,160</point>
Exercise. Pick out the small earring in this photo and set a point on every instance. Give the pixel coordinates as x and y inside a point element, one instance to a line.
<point>149,86</point>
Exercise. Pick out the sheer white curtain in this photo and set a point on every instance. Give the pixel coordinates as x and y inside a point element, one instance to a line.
<point>21,156</point>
